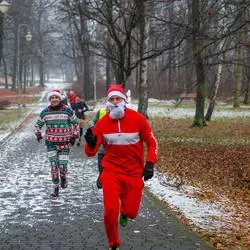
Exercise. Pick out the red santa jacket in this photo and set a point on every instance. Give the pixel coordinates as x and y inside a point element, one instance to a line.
<point>71,97</point>
<point>123,141</point>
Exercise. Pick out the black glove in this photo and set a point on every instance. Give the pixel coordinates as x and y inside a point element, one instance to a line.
<point>90,138</point>
<point>39,137</point>
<point>72,141</point>
<point>148,171</point>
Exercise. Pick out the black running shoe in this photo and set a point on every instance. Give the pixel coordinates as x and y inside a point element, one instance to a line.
<point>56,192</point>
<point>98,184</point>
<point>64,182</point>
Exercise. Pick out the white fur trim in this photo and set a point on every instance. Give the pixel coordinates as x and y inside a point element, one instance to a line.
<point>118,93</point>
<point>54,93</point>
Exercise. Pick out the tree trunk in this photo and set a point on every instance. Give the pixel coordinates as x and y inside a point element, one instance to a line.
<point>20,70</point>
<point>88,94</point>
<point>239,73</point>
<point>137,76</point>
<point>76,61</point>
<point>247,63</point>
<point>199,119</point>
<point>238,78</point>
<point>32,75</point>
<point>171,59</point>
<point>87,91</point>
<point>1,37</point>
<point>24,78</point>
<point>144,42</point>
<point>5,73</point>
<point>14,72</point>
<point>189,69</point>
<point>120,77</point>
<point>247,93</point>
<point>215,88</point>
<point>143,93</point>
<point>188,72</point>
<point>108,77</point>
<point>41,74</point>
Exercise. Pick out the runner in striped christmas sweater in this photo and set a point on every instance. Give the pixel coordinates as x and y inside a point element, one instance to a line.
<point>62,129</point>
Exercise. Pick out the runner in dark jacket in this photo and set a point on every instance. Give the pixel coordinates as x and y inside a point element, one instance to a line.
<point>80,107</point>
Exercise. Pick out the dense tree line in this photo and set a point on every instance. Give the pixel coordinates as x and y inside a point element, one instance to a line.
<point>173,46</point>
<point>157,48</point>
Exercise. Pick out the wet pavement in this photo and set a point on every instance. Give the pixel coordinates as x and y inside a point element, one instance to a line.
<point>31,219</point>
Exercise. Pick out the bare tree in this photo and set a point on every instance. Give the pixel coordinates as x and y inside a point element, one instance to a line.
<point>79,27</point>
<point>247,90</point>
<point>1,36</point>
<point>199,119</point>
<point>144,27</point>
<point>239,76</point>
<point>42,30</point>
<point>204,45</point>
<point>215,88</point>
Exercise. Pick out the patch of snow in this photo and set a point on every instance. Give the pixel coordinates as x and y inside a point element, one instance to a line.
<point>181,113</point>
<point>201,213</point>
<point>57,85</point>
<point>3,134</point>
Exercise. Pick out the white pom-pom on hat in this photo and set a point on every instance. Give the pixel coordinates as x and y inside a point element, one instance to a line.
<point>55,92</point>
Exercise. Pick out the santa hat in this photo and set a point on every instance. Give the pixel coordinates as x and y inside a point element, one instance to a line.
<point>116,89</point>
<point>55,92</point>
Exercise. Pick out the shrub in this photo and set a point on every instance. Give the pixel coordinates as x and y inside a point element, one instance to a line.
<point>4,104</point>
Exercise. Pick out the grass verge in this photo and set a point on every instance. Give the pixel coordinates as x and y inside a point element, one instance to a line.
<point>9,117</point>
<point>216,159</point>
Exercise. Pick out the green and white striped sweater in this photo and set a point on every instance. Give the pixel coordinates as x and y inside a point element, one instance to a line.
<point>61,124</point>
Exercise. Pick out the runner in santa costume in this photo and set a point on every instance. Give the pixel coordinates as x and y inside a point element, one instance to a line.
<point>61,133</point>
<point>123,132</point>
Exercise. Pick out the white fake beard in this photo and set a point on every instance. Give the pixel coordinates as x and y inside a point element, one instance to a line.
<point>116,110</point>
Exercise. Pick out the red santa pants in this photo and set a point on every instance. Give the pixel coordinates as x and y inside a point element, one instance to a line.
<point>123,194</point>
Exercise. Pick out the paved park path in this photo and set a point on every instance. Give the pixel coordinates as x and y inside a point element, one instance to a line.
<point>31,219</point>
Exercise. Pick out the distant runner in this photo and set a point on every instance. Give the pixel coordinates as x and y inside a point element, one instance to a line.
<point>99,114</point>
<point>80,107</point>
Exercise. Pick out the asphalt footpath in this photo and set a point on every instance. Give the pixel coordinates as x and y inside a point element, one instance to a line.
<point>31,219</point>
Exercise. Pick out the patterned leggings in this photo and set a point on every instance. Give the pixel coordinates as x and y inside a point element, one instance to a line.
<point>58,158</point>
